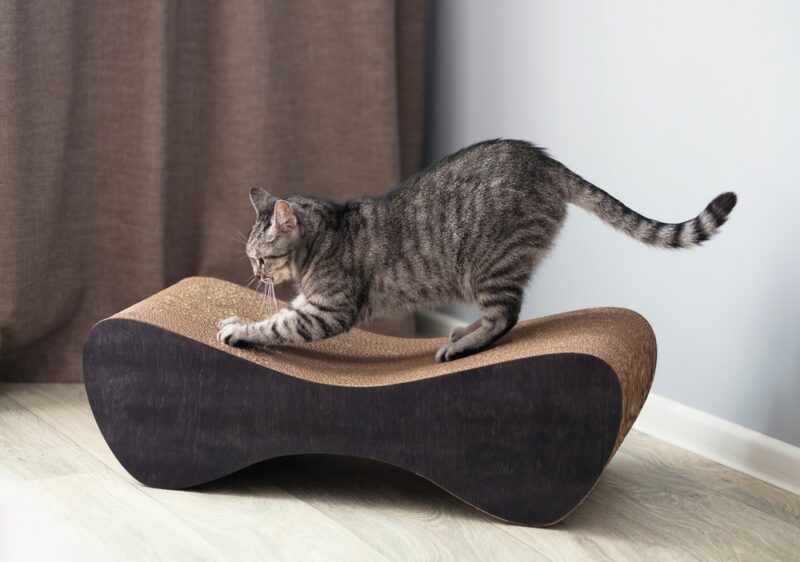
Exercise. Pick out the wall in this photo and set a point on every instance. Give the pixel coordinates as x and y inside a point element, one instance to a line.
<point>665,105</point>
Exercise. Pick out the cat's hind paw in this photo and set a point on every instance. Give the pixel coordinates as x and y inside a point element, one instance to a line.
<point>459,332</point>
<point>449,352</point>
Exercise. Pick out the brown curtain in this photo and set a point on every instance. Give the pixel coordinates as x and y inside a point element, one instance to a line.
<point>130,133</point>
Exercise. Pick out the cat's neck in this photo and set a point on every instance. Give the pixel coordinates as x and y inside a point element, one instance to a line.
<point>314,233</point>
<point>334,236</point>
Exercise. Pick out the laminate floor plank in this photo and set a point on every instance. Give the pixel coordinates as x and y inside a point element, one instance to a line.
<point>94,516</point>
<point>250,519</point>
<point>30,448</point>
<point>699,521</point>
<point>675,505</point>
<point>400,514</point>
<point>65,407</point>
<point>708,474</point>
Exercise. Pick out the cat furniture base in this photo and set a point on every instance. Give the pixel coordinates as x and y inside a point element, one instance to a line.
<point>520,431</point>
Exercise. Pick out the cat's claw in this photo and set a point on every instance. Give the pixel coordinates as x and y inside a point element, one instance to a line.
<point>229,320</point>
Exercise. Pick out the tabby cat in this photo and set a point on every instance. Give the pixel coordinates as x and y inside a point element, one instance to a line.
<point>471,228</point>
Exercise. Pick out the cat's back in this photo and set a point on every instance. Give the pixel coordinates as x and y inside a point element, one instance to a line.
<point>484,155</point>
<point>492,164</point>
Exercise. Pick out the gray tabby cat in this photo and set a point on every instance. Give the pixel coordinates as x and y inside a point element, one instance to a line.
<point>471,228</point>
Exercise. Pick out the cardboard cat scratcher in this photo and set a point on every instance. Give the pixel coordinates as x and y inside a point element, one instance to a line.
<point>520,431</point>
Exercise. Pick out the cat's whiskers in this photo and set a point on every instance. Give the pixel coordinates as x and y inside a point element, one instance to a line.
<point>240,237</point>
<point>273,302</point>
<point>269,302</point>
<point>261,286</point>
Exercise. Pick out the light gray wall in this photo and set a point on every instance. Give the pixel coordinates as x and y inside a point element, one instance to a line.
<point>665,105</point>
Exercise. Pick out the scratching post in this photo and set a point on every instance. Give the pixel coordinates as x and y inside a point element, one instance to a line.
<point>520,431</point>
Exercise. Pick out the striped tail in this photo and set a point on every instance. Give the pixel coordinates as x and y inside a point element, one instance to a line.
<point>655,233</point>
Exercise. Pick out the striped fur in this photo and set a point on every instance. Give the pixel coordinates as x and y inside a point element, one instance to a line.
<point>655,233</point>
<point>471,228</point>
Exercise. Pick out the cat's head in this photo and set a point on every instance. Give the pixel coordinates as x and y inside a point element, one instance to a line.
<point>274,237</point>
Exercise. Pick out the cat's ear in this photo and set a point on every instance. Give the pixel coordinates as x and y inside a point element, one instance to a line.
<point>261,200</point>
<point>285,221</point>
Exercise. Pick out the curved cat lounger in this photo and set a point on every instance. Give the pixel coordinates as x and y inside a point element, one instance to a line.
<point>521,431</point>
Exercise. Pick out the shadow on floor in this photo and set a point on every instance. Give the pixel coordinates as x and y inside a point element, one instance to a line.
<point>344,483</point>
<point>349,483</point>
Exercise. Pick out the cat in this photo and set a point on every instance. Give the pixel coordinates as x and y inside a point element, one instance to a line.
<point>470,228</point>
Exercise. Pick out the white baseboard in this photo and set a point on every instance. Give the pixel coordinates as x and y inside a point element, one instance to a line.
<point>717,439</point>
<point>722,441</point>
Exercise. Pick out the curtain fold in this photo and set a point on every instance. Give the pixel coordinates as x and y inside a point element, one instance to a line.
<point>131,133</point>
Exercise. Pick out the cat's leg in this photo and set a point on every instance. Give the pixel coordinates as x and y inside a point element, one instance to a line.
<point>289,325</point>
<point>499,313</point>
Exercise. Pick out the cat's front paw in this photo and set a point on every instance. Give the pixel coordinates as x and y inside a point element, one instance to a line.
<point>233,334</point>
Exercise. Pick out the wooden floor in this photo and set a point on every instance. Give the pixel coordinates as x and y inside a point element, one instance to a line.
<point>63,496</point>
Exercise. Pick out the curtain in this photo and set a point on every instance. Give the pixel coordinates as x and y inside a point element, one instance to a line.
<point>131,132</point>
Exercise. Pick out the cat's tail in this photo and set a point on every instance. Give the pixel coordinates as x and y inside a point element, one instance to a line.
<point>666,235</point>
